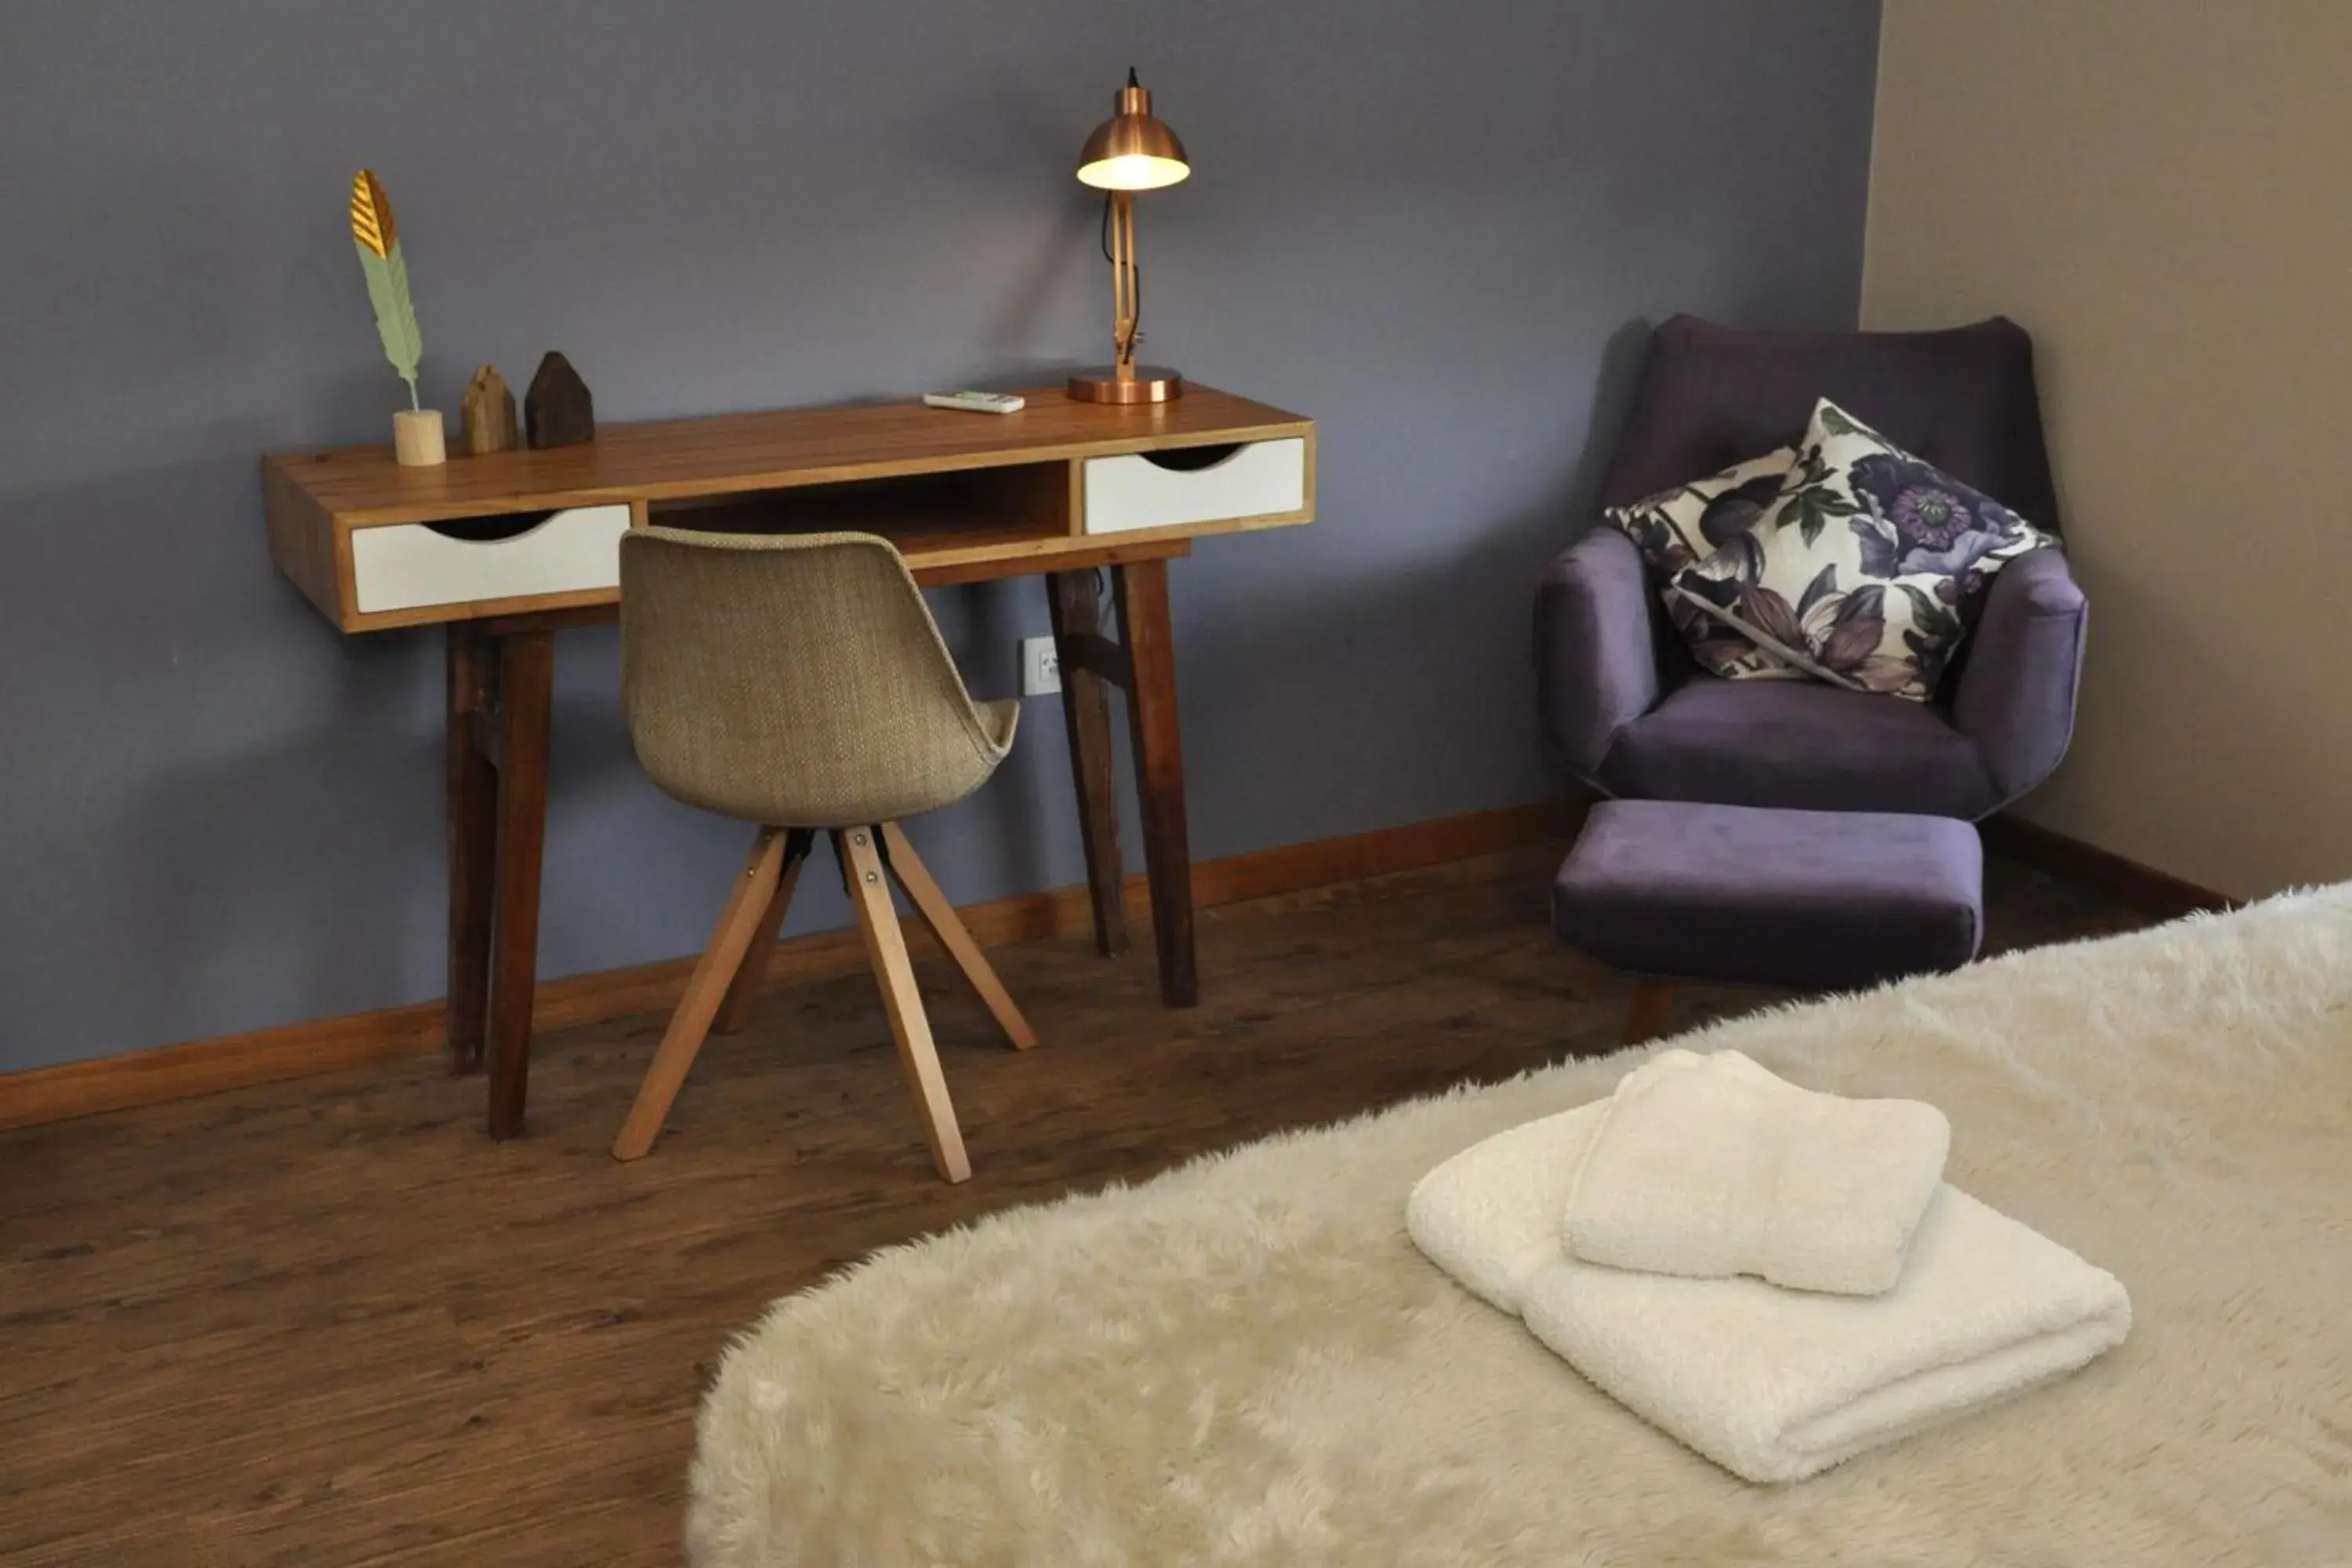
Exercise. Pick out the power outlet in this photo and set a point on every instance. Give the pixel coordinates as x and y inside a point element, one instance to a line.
<point>1041,666</point>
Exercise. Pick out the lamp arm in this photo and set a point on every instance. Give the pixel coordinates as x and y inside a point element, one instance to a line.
<point>1126,284</point>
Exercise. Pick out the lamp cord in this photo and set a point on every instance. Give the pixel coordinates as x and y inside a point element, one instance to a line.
<point>1136,336</point>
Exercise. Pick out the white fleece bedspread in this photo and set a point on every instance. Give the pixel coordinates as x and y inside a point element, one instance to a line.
<point>1246,1362</point>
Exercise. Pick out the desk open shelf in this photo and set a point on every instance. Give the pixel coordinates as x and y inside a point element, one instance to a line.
<point>968,518</point>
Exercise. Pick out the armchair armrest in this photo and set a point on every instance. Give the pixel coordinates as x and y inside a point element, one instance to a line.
<point>1596,653</point>
<point>2016,695</point>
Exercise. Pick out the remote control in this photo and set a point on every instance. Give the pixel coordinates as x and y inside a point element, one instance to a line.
<point>976,401</point>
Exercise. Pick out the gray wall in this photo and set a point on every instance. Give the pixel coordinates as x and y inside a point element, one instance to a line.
<point>1436,228</point>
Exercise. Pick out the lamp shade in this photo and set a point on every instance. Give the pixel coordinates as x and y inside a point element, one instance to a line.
<point>1132,151</point>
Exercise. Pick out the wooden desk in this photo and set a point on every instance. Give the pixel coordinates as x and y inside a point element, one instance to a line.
<point>504,550</point>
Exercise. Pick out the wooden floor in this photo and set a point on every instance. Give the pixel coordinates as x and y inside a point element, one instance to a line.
<point>329,1323</point>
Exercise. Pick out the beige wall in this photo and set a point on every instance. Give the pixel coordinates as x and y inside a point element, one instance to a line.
<point>2161,191</point>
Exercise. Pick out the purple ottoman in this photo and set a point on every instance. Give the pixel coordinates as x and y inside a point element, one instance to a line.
<point>1815,899</point>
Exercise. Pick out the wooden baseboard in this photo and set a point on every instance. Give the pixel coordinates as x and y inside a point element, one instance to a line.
<point>359,1039</point>
<point>2144,888</point>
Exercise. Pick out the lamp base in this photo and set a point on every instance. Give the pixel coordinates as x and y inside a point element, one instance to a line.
<point>1148,383</point>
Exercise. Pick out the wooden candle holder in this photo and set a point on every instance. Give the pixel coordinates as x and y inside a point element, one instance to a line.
<point>418,440</point>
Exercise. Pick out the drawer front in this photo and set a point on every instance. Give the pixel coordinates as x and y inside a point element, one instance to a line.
<point>1260,478</point>
<point>408,566</point>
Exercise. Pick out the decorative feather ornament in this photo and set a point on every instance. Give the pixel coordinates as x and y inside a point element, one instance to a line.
<point>377,234</point>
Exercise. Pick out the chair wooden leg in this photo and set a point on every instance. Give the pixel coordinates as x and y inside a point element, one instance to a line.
<point>754,890</point>
<point>886,950</point>
<point>948,927</point>
<point>1653,1006</point>
<point>744,993</point>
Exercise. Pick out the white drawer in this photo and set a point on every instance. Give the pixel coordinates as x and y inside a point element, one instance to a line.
<point>1260,478</point>
<point>407,565</point>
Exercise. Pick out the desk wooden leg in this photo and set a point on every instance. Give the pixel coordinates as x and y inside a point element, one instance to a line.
<point>526,683</point>
<point>1142,590</point>
<point>473,847</point>
<point>1086,708</point>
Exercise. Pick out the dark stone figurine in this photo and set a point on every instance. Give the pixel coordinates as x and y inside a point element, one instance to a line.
<point>558,411</point>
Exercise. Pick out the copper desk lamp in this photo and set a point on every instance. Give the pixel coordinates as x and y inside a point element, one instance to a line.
<point>1131,152</point>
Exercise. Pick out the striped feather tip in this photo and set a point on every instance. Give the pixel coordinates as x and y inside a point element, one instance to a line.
<point>373,224</point>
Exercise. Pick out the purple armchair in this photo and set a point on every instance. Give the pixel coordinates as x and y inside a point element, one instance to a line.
<point>1630,714</point>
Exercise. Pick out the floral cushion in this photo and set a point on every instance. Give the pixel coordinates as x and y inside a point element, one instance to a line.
<point>1676,529</point>
<point>1866,570</point>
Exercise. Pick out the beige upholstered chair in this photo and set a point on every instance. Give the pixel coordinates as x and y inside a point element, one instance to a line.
<point>797,681</point>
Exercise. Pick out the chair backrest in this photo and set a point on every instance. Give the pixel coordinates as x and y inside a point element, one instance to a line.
<point>1964,399</point>
<point>793,680</point>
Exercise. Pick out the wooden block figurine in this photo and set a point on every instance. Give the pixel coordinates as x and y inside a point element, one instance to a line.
<point>558,411</point>
<point>486,419</point>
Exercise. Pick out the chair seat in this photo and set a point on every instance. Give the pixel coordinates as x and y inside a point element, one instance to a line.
<point>1824,899</point>
<point>1801,745</point>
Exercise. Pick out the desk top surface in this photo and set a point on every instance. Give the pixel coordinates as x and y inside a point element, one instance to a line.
<point>725,454</point>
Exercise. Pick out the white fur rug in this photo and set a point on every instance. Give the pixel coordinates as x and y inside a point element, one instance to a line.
<point>1245,1361</point>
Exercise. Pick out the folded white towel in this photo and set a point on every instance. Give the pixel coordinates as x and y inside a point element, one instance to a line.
<point>1490,1215</point>
<point>1710,1166</point>
<point>1772,1384</point>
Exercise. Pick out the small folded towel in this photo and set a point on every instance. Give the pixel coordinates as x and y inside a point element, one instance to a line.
<point>1710,1166</point>
<point>1772,1384</point>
